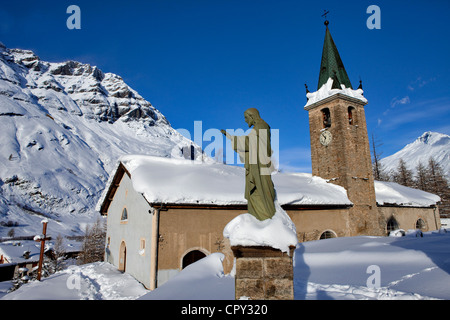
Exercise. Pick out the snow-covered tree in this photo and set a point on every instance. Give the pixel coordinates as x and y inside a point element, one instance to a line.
<point>93,248</point>
<point>58,256</point>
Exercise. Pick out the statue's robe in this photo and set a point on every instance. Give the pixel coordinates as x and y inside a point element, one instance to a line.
<point>255,152</point>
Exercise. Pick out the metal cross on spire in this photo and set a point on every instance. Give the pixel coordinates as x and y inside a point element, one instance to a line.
<point>325,12</point>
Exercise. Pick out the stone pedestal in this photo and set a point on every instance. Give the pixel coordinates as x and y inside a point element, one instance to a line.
<point>263,273</point>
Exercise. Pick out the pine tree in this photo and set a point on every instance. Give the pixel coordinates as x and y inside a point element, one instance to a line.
<point>403,175</point>
<point>436,176</point>
<point>422,177</point>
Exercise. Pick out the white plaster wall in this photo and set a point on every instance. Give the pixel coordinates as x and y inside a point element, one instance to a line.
<point>137,227</point>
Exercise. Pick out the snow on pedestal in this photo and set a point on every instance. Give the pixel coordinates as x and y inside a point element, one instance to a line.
<point>264,255</point>
<point>279,232</point>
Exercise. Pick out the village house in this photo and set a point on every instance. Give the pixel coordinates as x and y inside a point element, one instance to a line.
<point>20,255</point>
<point>16,255</point>
<point>163,214</point>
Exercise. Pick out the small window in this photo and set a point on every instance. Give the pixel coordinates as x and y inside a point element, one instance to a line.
<point>124,215</point>
<point>142,246</point>
<point>327,235</point>
<point>326,118</point>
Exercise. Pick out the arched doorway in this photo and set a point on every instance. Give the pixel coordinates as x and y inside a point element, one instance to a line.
<point>391,225</point>
<point>191,257</point>
<point>122,256</point>
<point>421,224</point>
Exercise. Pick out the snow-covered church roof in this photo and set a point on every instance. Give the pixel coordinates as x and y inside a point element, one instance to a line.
<point>179,181</point>
<point>391,193</point>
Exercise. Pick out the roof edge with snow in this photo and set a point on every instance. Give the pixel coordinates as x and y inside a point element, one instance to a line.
<point>179,183</point>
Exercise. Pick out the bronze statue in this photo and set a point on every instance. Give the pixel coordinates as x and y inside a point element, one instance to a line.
<point>255,152</point>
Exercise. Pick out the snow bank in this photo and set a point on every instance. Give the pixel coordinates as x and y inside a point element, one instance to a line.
<point>202,280</point>
<point>409,268</point>
<point>325,91</point>
<point>279,232</point>
<point>393,193</point>
<point>413,268</point>
<point>94,281</point>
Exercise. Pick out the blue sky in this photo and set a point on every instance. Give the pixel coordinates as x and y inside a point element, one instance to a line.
<point>209,60</point>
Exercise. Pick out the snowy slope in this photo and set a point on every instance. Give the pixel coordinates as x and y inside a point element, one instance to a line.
<point>429,144</point>
<point>63,127</point>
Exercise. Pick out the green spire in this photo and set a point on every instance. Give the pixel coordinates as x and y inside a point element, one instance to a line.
<point>331,65</point>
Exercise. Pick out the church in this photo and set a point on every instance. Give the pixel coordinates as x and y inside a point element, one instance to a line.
<point>163,214</point>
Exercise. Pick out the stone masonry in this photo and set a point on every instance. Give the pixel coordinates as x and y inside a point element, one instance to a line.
<point>263,273</point>
<point>346,161</point>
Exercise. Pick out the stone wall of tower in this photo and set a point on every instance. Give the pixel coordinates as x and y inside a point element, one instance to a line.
<point>346,161</point>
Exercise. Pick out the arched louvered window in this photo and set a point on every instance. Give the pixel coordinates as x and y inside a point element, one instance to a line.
<point>351,116</point>
<point>326,118</point>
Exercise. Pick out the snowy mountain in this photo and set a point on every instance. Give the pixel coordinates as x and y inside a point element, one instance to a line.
<point>63,127</point>
<point>429,144</point>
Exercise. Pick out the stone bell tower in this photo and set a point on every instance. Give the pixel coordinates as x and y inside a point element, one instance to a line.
<point>340,150</point>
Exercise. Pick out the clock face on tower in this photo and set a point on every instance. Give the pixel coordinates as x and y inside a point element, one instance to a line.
<point>325,138</point>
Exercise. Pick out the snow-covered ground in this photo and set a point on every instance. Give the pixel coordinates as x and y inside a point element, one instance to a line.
<point>94,281</point>
<point>352,268</point>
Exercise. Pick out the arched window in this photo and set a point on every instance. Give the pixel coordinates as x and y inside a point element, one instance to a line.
<point>327,235</point>
<point>351,115</point>
<point>392,224</point>
<point>191,257</point>
<point>124,215</point>
<point>421,224</point>
<point>326,118</point>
